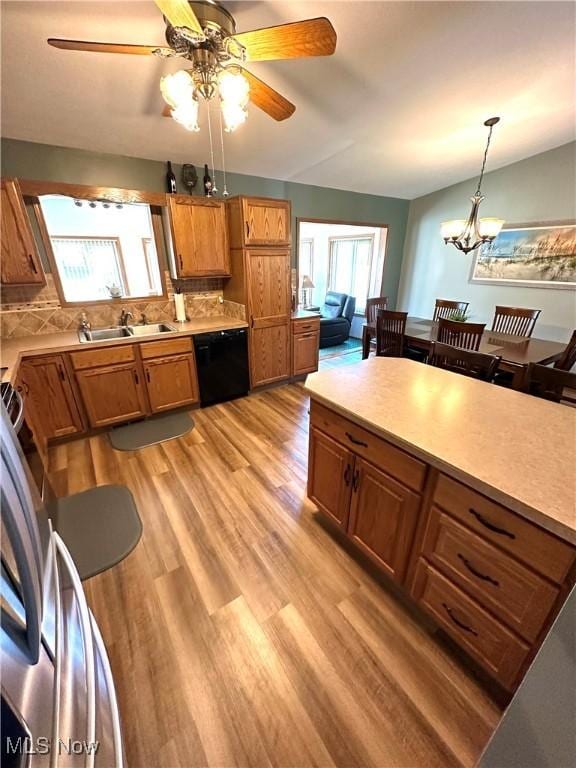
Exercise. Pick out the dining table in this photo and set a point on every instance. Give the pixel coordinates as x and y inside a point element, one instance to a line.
<point>517,352</point>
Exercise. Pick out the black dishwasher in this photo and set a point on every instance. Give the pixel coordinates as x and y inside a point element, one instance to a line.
<point>222,363</point>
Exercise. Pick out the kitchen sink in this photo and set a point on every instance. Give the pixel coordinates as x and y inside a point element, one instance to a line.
<point>103,334</point>
<point>152,328</point>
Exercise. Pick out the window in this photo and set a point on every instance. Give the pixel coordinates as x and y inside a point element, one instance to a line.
<point>102,250</point>
<point>306,257</point>
<point>350,267</point>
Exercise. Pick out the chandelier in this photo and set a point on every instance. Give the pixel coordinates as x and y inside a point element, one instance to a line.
<point>183,90</point>
<point>469,234</point>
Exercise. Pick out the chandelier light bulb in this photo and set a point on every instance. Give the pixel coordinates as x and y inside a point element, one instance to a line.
<point>186,114</point>
<point>234,92</point>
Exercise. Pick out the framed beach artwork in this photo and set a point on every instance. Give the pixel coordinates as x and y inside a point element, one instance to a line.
<point>531,255</point>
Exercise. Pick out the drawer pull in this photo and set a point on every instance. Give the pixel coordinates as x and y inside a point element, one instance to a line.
<point>32,264</point>
<point>307,335</point>
<point>459,623</point>
<point>476,573</point>
<point>355,440</point>
<point>347,474</point>
<point>491,526</point>
<point>356,480</point>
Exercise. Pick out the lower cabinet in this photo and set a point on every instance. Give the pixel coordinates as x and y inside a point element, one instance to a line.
<point>112,394</point>
<point>47,388</point>
<point>378,513</point>
<point>330,476</point>
<point>269,349</point>
<point>171,382</point>
<point>383,518</point>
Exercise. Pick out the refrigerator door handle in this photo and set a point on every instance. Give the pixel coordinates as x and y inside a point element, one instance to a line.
<point>58,630</point>
<point>116,727</point>
<point>88,641</point>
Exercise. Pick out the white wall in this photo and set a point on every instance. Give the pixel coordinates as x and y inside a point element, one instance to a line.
<point>539,189</point>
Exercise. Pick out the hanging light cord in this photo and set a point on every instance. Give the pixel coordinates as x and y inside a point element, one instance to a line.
<point>484,161</point>
<point>225,191</point>
<point>214,189</point>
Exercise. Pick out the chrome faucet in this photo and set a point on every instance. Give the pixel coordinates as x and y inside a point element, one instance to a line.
<point>124,317</point>
<point>85,324</point>
<point>143,319</point>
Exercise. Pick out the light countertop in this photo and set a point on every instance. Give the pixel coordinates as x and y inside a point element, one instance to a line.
<point>304,314</point>
<point>13,350</point>
<point>517,449</point>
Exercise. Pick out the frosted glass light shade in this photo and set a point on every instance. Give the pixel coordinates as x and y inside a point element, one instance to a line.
<point>453,228</point>
<point>234,94</point>
<point>490,227</point>
<point>187,115</point>
<point>177,88</point>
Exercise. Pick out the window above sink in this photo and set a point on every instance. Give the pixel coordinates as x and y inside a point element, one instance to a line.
<point>101,250</point>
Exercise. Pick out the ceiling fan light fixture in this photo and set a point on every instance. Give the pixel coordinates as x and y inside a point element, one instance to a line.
<point>187,114</point>
<point>234,92</point>
<point>177,89</point>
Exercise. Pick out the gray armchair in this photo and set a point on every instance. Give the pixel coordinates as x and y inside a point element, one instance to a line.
<point>336,318</point>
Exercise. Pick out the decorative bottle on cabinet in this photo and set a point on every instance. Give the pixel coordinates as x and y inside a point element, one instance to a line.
<point>170,179</point>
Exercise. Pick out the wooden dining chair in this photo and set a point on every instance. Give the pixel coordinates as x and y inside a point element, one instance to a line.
<point>463,335</point>
<point>474,364</point>
<point>390,330</point>
<point>551,384</point>
<point>515,321</point>
<point>568,358</point>
<point>372,307</point>
<point>446,308</point>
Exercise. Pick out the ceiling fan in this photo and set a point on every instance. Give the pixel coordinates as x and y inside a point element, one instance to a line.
<point>204,33</point>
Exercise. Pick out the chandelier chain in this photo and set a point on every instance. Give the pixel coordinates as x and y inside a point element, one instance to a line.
<point>225,191</point>
<point>214,188</point>
<point>484,161</point>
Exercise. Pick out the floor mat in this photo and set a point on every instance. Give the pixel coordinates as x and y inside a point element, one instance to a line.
<point>350,345</point>
<point>100,527</point>
<point>151,431</point>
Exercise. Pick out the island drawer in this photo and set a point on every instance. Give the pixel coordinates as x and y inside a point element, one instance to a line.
<point>509,590</point>
<point>527,542</point>
<point>392,460</point>
<point>306,325</point>
<point>94,358</point>
<point>494,646</point>
<point>165,347</point>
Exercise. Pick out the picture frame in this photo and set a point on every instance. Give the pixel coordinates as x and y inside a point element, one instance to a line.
<point>534,255</point>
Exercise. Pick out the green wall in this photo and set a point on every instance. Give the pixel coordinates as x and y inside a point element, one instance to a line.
<point>29,160</point>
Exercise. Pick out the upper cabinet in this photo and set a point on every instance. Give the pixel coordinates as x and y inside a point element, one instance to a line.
<point>256,221</point>
<point>20,262</point>
<point>199,237</point>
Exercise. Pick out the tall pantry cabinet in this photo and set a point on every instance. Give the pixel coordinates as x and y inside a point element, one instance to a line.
<point>259,234</point>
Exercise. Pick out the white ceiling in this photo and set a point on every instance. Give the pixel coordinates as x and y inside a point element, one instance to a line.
<point>398,110</point>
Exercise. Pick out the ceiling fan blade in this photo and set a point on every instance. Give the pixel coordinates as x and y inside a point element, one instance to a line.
<point>267,99</point>
<point>179,14</point>
<point>83,45</point>
<point>312,37</point>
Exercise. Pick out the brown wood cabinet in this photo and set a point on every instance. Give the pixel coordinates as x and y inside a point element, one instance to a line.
<point>171,382</point>
<point>20,261</point>
<point>305,346</point>
<point>259,221</point>
<point>377,511</point>
<point>199,237</point>
<point>383,518</point>
<point>112,394</point>
<point>49,394</point>
<point>330,476</point>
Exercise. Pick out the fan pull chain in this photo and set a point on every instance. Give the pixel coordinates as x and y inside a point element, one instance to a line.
<point>225,193</point>
<point>214,190</point>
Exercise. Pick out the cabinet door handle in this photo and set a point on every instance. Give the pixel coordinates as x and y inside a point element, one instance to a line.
<point>32,264</point>
<point>251,322</point>
<point>61,373</point>
<point>136,379</point>
<point>247,230</point>
<point>347,474</point>
<point>457,621</point>
<point>181,262</point>
<point>476,573</point>
<point>148,375</point>
<point>355,440</point>
<point>356,480</point>
<point>491,526</point>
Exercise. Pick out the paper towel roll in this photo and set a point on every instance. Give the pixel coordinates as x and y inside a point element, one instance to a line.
<point>180,307</point>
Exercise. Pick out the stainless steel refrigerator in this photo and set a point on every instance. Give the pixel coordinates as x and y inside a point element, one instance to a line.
<point>59,705</point>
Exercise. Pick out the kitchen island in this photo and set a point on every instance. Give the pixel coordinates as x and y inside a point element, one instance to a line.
<point>461,491</point>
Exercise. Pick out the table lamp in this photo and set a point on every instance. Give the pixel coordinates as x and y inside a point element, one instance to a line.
<point>307,284</point>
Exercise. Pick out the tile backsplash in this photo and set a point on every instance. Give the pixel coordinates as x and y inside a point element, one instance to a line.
<point>28,310</point>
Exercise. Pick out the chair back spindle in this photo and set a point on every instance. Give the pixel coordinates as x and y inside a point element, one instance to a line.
<point>477,365</point>
<point>390,330</point>
<point>446,308</point>
<point>515,321</point>
<point>463,335</point>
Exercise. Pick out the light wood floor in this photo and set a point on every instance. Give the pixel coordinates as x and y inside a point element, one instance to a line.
<point>241,633</point>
